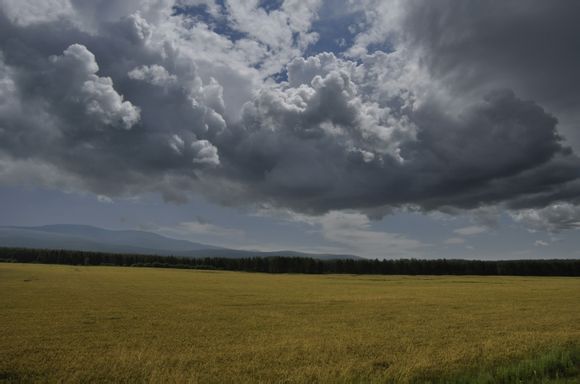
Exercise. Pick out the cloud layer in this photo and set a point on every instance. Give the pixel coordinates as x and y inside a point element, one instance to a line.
<point>429,105</point>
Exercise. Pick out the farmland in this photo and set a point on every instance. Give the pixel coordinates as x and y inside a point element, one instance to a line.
<point>115,324</point>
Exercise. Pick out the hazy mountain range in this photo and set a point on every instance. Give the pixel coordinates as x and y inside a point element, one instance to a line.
<point>89,238</point>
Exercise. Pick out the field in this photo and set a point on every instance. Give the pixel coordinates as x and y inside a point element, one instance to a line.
<point>113,324</point>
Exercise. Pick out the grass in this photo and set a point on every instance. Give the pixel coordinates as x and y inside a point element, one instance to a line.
<point>112,324</point>
<point>557,365</point>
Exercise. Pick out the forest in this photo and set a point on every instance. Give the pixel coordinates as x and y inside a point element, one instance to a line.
<point>278,264</point>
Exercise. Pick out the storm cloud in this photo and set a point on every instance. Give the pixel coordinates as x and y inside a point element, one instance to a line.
<point>463,111</point>
<point>532,47</point>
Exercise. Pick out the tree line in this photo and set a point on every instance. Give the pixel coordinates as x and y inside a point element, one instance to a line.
<point>281,264</point>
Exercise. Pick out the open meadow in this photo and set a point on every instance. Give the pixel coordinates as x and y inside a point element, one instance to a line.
<point>113,324</point>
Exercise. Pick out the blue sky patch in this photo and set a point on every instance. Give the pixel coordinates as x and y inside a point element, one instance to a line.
<point>336,33</point>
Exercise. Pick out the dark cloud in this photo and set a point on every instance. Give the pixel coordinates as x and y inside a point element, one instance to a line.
<point>502,149</point>
<point>532,47</point>
<point>71,109</point>
<point>120,102</point>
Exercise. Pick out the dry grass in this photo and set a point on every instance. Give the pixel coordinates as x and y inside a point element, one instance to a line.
<point>99,324</point>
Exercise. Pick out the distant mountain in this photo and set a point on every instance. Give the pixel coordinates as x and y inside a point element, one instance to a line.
<point>239,254</point>
<point>89,238</point>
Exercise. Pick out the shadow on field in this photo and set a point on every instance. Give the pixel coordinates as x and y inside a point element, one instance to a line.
<point>15,377</point>
<point>558,365</point>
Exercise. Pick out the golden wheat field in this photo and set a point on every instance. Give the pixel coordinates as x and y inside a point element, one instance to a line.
<point>112,324</point>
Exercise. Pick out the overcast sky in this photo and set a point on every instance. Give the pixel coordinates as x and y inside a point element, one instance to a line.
<point>383,128</point>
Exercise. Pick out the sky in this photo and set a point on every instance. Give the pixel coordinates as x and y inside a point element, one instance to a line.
<point>386,129</point>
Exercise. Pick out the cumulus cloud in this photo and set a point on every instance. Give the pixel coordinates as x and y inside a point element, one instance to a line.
<point>97,94</point>
<point>553,218</point>
<point>153,74</point>
<point>182,97</point>
<point>26,12</point>
<point>205,153</point>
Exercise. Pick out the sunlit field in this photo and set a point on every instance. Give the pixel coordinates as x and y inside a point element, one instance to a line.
<point>113,324</point>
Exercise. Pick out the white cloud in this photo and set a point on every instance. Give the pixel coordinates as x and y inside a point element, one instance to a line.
<point>153,74</point>
<point>553,218</point>
<point>353,232</point>
<point>8,90</point>
<point>198,228</point>
<point>97,94</point>
<point>104,199</point>
<point>205,153</point>
<point>382,24</point>
<point>25,12</point>
<point>104,103</point>
<point>285,32</point>
<point>201,230</point>
<point>470,231</point>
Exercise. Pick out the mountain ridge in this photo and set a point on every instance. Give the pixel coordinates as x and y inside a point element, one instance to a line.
<point>91,238</point>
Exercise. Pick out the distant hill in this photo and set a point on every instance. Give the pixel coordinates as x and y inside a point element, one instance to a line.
<point>240,254</point>
<point>89,238</point>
